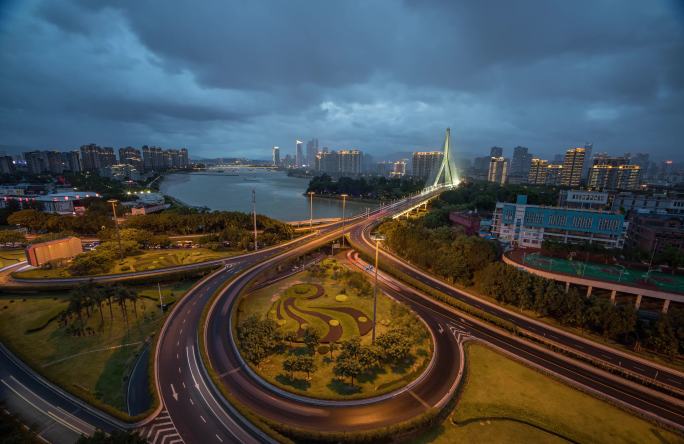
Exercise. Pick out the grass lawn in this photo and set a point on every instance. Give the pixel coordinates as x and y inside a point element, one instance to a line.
<point>500,387</point>
<point>91,366</point>
<point>148,260</point>
<point>302,287</point>
<point>11,257</point>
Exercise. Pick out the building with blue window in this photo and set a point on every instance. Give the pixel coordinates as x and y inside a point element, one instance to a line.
<point>523,225</point>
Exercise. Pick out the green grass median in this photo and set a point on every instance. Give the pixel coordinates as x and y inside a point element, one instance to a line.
<point>93,365</point>
<point>506,401</point>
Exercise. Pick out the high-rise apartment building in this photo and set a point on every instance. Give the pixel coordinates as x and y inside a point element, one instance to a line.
<point>184,158</point>
<point>426,163</point>
<point>311,152</point>
<point>131,156</point>
<point>153,158</point>
<point>538,172</point>
<point>72,161</point>
<point>275,156</point>
<point>94,157</point>
<point>521,162</point>
<point>398,169</point>
<point>554,174</point>
<point>299,154</point>
<point>350,161</point>
<point>328,162</point>
<point>588,148</point>
<point>40,162</point>
<point>7,165</point>
<point>628,177</point>
<point>498,170</point>
<point>496,151</point>
<point>573,163</point>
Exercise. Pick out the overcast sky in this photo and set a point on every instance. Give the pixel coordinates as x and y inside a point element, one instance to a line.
<point>230,78</point>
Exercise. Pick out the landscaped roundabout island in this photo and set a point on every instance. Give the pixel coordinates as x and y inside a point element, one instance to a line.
<point>311,334</point>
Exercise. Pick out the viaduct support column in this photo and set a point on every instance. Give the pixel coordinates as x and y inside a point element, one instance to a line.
<point>567,287</point>
<point>589,291</point>
<point>638,302</point>
<point>612,296</point>
<point>666,305</point>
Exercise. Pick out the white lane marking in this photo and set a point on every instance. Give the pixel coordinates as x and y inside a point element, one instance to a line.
<point>179,370</point>
<point>218,437</point>
<point>202,418</point>
<point>173,393</point>
<point>441,329</point>
<point>191,401</point>
<point>181,331</point>
<point>177,356</point>
<point>183,382</point>
<point>45,412</point>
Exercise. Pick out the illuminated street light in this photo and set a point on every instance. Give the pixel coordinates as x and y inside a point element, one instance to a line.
<point>344,204</point>
<point>377,238</point>
<point>116,224</point>
<point>311,194</point>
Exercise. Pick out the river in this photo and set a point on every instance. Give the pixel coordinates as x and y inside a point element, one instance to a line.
<point>277,195</point>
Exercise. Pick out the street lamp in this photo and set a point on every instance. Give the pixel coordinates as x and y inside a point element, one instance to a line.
<point>116,224</point>
<point>256,247</point>
<point>344,204</point>
<point>311,194</point>
<point>377,238</point>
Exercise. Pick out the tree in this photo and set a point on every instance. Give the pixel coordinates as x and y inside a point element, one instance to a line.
<point>290,365</point>
<point>355,359</point>
<point>663,338</point>
<point>258,338</point>
<point>394,345</point>
<point>12,237</point>
<point>34,220</point>
<point>312,338</point>
<point>305,364</point>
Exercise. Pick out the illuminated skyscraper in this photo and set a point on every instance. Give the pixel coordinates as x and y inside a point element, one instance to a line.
<point>299,155</point>
<point>276,156</point>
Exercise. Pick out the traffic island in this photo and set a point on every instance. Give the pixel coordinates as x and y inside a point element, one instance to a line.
<point>311,335</point>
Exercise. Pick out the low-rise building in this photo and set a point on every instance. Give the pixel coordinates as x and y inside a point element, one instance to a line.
<point>655,232</point>
<point>468,220</point>
<point>524,225</point>
<point>670,203</point>
<point>60,249</point>
<point>65,202</point>
<point>594,200</point>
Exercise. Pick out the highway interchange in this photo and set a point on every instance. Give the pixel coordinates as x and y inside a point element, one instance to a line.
<point>193,410</point>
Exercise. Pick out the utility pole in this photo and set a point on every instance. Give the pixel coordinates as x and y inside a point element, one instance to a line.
<point>344,204</point>
<point>256,247</point>
<point>311,194</point>
<point>161,301</point>
<point>377,240</point>
<point>116,224</point>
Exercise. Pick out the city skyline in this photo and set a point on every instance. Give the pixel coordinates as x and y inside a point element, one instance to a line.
<point>137,86</point>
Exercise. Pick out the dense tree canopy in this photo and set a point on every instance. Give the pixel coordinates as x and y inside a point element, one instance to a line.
<point>379,188</point>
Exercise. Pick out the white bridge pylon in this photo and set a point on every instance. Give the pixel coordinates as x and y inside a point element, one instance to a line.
<point>446,175</point>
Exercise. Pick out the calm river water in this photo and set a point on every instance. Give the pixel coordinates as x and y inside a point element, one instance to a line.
<point>277,195</point>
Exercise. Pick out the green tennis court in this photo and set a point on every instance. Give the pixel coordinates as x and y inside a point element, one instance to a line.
<point>614,273</point>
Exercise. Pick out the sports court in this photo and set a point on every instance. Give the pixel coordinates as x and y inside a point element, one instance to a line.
<point>615,273</point>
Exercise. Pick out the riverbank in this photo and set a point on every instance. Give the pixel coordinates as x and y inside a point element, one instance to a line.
<point>278,195</point>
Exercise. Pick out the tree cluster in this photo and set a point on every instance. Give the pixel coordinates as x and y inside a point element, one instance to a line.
<point>378,188</point>
<point>548,298</point>
<point>485,195</point>
<point>86,298</point>
<point>259,338</point>
<point>38,222</point>
<point>442,251</point>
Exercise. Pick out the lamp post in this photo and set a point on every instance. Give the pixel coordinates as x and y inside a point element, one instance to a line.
<point>116,224</point>
<point>311,194</point>
<point>650,263</point>
<point>256,246</point>
<point>377,239</point>
<point>344,204</point>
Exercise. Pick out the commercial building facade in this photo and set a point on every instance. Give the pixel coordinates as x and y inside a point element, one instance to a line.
<point>526,225</point>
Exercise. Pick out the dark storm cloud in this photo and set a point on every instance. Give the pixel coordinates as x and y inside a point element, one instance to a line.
<point>384,76</point>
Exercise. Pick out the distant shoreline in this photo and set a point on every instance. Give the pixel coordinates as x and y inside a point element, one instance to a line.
<point>338,197</point>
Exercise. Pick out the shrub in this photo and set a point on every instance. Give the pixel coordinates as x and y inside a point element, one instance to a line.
<point>323,349</point>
